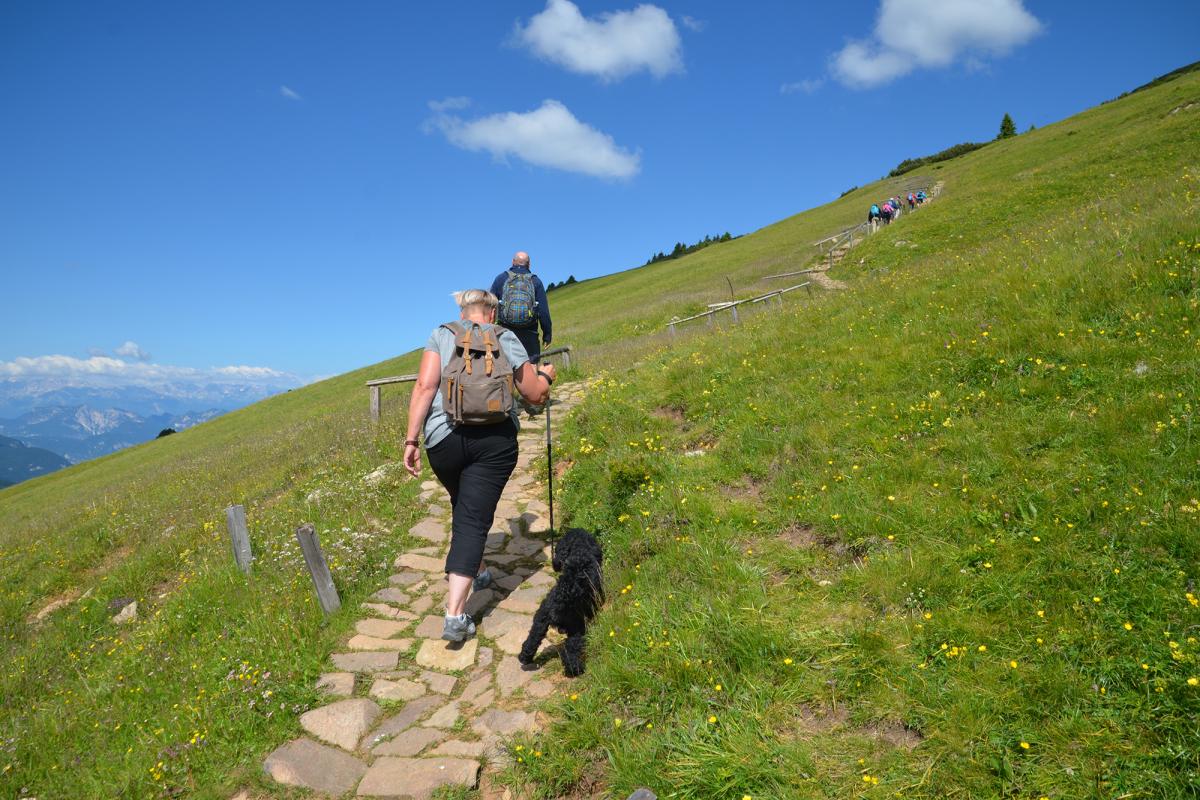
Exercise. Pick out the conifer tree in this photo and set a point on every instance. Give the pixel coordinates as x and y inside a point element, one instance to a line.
<point>1008,128</point>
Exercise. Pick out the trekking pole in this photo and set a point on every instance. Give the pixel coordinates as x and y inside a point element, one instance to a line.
<point>549,464</point>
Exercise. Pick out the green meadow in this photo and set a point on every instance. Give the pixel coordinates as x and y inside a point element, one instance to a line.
<point>932,535</point>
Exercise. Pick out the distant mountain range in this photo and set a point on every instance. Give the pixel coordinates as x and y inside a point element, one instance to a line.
<point>19,462</point>
<point>81,432</point>
<point>20,396</point>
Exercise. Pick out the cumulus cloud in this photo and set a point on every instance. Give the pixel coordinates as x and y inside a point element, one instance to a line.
<point>289,93</point>
<point>930,34</point>
<point>807,86</point>
<point>548,136</point>
<point>132,350</point>
<point>105,371</point>
<point>611,46</point>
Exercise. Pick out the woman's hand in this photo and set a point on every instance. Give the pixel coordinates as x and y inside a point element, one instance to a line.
<point>412,459</point>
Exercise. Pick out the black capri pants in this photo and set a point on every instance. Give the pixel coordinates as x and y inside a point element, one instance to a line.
<point>474,463</point>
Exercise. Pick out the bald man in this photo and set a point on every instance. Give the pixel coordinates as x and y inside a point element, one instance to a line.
<point>526,332</point>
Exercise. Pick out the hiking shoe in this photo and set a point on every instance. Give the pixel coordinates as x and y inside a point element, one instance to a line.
<point>458,629</point>
<point>482,581</point>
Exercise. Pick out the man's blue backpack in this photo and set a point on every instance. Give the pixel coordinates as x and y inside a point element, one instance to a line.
<point>518,301</point>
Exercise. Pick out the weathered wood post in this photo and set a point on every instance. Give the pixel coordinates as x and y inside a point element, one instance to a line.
<point>567,358</point>
<point>671,328</point>
<point>709,319</point>
<point>239,537</point>
<point>375,402</point>
<point>779,297</point>
<point>735,314</point>
<point>327,594</point>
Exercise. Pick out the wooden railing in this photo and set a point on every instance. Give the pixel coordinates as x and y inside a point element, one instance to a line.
<point>732,308</point>
<point>376,386</point>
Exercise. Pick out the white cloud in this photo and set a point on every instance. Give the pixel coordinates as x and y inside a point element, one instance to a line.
<point>289,93</point>
<point>548,136</point>
<point>449,104</point>
<point>611,46</point>
<point>104,371</point>
<point>928,34</point>
<point>132,350</point>
<point>693,24</point>
<point>807,86</point>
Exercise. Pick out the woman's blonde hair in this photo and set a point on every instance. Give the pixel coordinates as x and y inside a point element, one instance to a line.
<point>472,298</point>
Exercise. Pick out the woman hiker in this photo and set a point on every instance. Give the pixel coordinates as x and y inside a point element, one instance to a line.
<point>473,461</point>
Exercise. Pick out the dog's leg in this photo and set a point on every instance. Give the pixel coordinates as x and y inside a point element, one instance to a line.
<point>572,654</point>
<point>537,632</point>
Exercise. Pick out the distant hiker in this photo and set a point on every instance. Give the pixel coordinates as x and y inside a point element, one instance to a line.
<point>873,214</point>
<point>463,403</point>
<point>885,213</point>
<point>523,305</point>
<point>912,201</point>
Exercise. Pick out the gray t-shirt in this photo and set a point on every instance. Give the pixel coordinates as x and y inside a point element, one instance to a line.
<point>441,341</point>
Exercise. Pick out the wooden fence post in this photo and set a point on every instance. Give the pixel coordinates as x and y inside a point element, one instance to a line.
<point>239,537</point>
<point>671,328</point>
<point>735,314</point>
<point>327,594</point>
<point>709,319</point>
<point>566,359</point>
<point>375,402</point>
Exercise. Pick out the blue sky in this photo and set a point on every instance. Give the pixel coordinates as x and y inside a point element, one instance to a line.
<point>268,185</point>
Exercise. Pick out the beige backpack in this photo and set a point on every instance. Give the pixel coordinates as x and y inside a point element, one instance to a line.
<point>477,384</point>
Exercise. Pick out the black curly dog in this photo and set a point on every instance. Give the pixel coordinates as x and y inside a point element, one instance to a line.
<point>572,602</point>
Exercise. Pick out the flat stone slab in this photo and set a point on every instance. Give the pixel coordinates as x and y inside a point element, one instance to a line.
<point>511,642</point>
<point>391,595</point>
<point>478,601</point>
<point>504,723</point>
<point>499,622</point>
<point>444,717</point>
<point>457,747</point>
<point>510,582</point>
<point>365,662</point>
<point>400,689</point>
<point>431,529</point>
<point>422,604</point>
<point>381,628</point>
<point>510,676</point>
<point>402,719</point>
<point>423,563</point>
<point>436,654</point>
<point>338,684</point>
<point>361,642</point>
<point>406,578</point>
<point>388,612</point>
<point>430,627</point>
<point>442,684</point>
<point>524,600</point>
<point>416,777</point>
<point>303,762</point>
<point>523,546</point>
<point>410,742</point>
<point>342,723</point>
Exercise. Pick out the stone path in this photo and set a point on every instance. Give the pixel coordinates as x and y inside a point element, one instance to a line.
<point>409,712</point>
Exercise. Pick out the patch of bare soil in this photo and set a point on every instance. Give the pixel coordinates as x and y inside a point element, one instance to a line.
<point>811,720</point>
<point>749,489</point>
<point>672,413</point>
<point>826,282</point>
<point>894,733</point>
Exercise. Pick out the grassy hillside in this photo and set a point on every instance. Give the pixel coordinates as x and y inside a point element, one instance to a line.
<point>187,699</point>
<point>927,383</point>
<point>936,535</point>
